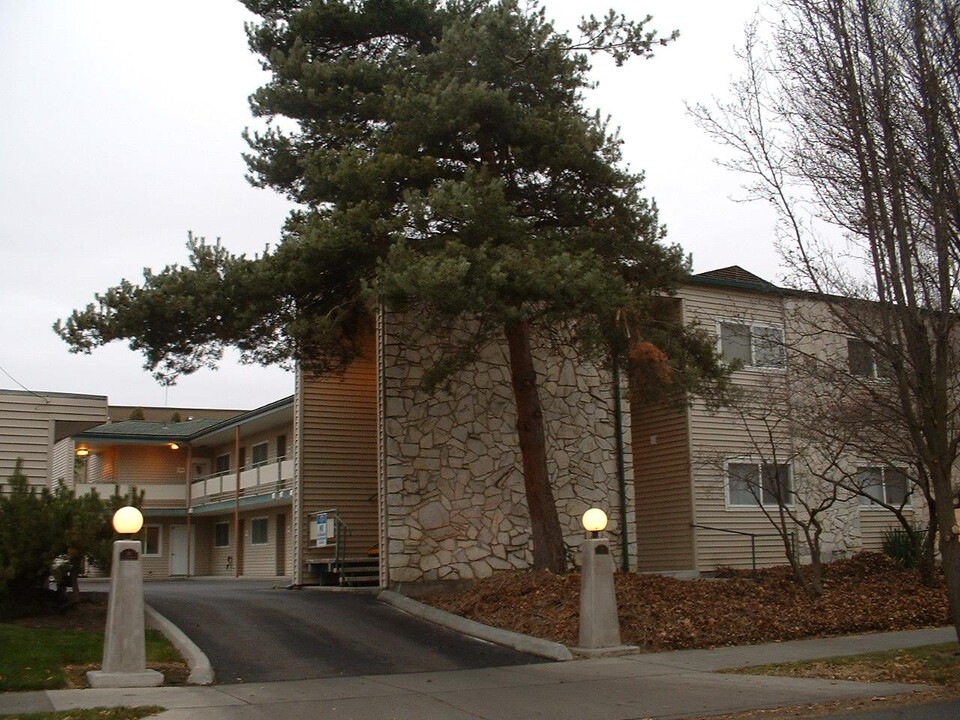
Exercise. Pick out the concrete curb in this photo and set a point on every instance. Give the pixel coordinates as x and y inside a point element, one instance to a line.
<point>522,643</point>
<point>201,671</point>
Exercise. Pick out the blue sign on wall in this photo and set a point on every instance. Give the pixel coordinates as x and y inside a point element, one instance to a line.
<point>322,530</point>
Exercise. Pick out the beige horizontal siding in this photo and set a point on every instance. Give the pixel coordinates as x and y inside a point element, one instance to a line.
<point>874,521</point>
<point>30,424</point>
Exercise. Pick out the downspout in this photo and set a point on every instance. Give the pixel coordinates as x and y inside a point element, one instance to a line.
<point>621,465</point>
<point>236,506</point>
<point>189,502</point>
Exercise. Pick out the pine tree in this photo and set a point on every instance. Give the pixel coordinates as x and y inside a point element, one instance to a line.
<point>444,165</point>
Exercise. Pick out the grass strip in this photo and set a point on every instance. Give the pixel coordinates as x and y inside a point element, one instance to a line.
<point>925,665</point>
<point>35,658</point>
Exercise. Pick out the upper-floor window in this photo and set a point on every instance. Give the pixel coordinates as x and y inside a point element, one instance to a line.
<point>751,344</point>
<point>222,464</point>
<point>281,446</point>
<point>882,484</point>
<point>863,361</point>
<point>754,483</point>
<point>258,454</point>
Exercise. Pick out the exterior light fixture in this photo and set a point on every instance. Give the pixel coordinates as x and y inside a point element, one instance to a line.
<point>82,451</point>
<point>594,521</point>
<point>124,651</point>
<point>599,623</point>
<point>127,520</point>
<point>174,446</point>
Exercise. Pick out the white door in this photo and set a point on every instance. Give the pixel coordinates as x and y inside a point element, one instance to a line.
<point>178,551</point>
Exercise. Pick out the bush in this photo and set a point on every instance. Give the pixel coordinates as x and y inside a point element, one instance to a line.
<point>904,548</point>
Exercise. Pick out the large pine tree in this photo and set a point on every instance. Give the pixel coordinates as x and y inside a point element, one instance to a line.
<point>443,163</point>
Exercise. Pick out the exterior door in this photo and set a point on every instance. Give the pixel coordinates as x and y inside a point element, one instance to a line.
<point>281,544</point>
<point>178,551</point>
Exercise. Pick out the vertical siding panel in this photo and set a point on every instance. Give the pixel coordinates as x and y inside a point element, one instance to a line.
<point>661,455</point>
<point>338,454</point>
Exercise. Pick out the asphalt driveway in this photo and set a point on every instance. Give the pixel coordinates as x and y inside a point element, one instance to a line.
<point>253,632</point>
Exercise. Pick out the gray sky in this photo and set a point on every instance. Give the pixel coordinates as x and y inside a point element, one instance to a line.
<point>120,131</point>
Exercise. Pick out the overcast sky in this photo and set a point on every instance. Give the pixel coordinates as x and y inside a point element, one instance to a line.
<point>120,130</point>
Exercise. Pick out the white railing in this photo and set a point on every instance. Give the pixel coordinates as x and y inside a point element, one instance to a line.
<point>154,494</point>
<point>271,477</point>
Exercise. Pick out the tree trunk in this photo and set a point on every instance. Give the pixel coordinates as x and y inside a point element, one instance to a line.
<point>548,549</point>
<point>949,545</point>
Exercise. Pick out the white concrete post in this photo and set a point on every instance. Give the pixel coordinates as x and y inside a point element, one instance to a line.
<point>124,651</point>
<point>599,622</point>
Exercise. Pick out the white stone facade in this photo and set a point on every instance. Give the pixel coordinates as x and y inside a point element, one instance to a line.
<point>455,506</point>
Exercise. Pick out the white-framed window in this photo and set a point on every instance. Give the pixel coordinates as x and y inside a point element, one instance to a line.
<point>258,454</point>
<point>258,531</point>
<point>863,361</point>
<point>222,464</point>
<point>886,484</point>
<point>221,534</point>
<point>752,483</point>
<point>752,344</point>
<point>152,541</point>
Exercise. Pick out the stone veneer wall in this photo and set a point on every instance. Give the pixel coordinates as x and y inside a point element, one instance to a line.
<point>455,503</point>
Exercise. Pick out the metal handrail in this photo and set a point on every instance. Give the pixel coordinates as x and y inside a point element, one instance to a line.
<point>753,540</point>
<point>340,532</point>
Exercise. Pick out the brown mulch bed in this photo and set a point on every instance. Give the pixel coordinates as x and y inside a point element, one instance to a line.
<point>867,593</point>
<point>87,611</point>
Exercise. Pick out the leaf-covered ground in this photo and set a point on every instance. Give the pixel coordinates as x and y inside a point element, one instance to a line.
<point>867,593</point>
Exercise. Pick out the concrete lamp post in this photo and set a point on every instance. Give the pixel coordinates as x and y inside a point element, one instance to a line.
<point>599,624</point>
<point>124,651</point>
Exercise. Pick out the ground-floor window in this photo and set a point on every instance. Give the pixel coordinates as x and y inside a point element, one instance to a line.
<point>152,545</point>
<point>752,483</point>
<point>221,535</point>
<point>883,484</point>
<point>258,531</point>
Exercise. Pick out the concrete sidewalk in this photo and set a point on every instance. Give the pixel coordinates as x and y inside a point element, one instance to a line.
<point>660,685</point>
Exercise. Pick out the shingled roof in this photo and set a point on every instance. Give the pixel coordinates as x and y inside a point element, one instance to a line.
<point>734,276</point>
<point>143,430</point>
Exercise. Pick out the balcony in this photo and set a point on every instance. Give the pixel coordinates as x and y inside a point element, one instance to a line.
<point>155,495</point>
<point>267,481</point>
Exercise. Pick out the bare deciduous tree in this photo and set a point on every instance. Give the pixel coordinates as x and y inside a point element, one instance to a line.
<point>849,110</point>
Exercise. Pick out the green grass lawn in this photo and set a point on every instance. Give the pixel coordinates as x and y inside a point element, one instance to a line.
<point>927,665</point>
<point>34,658</point>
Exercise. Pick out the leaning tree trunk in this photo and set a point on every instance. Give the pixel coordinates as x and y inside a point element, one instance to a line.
<point>548,550</point>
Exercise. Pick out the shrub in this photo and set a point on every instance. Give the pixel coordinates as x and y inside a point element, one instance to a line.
<point>904,548</point>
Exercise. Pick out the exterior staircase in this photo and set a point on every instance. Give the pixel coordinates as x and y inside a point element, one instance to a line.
<point>348,572</point>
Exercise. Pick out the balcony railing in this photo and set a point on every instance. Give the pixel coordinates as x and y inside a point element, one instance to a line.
<point>265,479</point>
<point>155,495</point>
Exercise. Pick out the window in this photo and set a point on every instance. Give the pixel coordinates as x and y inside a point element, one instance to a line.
<point>223,464</point>
<point>751,483</point>
<point>221,534</point>
<point>863,361</point>
<point>151,541</point>
<point>258,454</point>
<point>751,345</point>
<point>281,446</point>
<point>242,458</point>
<point>883,484</point>
<point>258,531</point>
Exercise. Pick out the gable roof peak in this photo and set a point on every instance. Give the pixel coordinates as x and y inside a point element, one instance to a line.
<point>735,276</point>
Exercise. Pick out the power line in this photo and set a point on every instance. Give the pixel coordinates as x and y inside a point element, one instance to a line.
<point>4,371</point>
